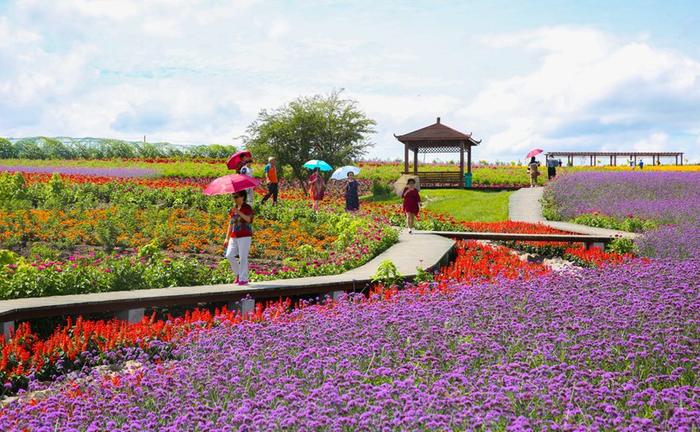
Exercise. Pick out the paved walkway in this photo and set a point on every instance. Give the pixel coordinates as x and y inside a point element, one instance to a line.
<point>525,206</point>
<point>410,252</point>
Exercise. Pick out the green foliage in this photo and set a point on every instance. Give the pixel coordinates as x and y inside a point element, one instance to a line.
<point>387,274</point>
<point>43,252</point>
<point>549,206</point>
<point>320,127</point>
<point>381,190</point>
<point>631,224</point>
<point>38,148</point>
<point>422,276</point>
<point>8,257</point>
<point>622,246</point>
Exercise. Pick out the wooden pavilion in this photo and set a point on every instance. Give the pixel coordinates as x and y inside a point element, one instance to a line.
<point>438,138</point>
<point>593,156</point>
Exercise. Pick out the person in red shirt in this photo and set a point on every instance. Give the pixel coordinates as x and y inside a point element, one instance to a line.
<point>239,235</point>
<point>411,203</point>
<point>317,188</point>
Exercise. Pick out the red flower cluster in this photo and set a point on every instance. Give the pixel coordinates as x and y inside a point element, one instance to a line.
<point>476,261</point>
<point>595,257</point>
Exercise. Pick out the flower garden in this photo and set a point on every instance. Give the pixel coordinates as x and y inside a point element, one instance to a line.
<point>491,341</point>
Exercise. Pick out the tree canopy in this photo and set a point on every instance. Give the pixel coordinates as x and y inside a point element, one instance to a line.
<point>329,128</point>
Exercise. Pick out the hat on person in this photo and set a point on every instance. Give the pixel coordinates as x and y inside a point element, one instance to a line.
<point>271,158</point>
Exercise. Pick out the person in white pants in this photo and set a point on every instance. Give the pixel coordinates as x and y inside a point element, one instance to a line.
<point>238,237</point>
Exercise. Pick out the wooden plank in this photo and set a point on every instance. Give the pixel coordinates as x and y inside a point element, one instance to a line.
<point>565,238</point>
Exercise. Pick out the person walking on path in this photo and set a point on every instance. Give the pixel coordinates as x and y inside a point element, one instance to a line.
<point>551,167</point>
<point>239,235</point>
<point>352,198</point>
<point>247,170</point>
<point>317,188</point>
<point>272,181</point>
<point>411,203</point>
<point>533,169</point>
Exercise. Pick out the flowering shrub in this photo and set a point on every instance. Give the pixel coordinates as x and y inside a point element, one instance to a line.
<point>611,349</point>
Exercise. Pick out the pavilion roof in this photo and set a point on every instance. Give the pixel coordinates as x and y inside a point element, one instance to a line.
<point>435,134</point>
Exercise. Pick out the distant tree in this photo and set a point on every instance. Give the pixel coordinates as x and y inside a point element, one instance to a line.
<point>7,150</point>
<point>329,128</point>
<point>55,149</point>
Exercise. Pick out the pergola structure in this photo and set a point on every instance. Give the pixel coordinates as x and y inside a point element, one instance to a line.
<point>593,156</point>
<point>438,138</point>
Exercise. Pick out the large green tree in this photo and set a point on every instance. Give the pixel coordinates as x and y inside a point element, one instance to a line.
<point>329,128</point>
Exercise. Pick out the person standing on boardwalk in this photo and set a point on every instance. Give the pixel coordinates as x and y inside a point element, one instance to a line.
<point>551,167</point>
<point>239,235</point>
<point>317,188</point>
<point>247,170</point>
<point>272,182</point>
<point>352,198</point>
<point>411,203</point>
<point>533,169</point>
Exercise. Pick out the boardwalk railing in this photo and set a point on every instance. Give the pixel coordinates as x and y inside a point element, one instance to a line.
<point>588,240</point>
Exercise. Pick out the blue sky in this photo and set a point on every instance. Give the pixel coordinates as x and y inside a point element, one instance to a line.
<point>560,75</point>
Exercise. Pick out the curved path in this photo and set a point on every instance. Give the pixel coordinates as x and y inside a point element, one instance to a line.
<point>524,206</point>
<point>411,251</point>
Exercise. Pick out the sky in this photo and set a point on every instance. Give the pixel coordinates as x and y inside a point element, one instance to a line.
<point>558,75</point>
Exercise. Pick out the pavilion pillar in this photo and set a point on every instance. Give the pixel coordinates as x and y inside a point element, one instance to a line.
<point>461,159</point>
<point>635,160</point>
<point>681,158</point>
<point>415,161</point>
<point>405,158</point>
<point>469,159</point>
<point>615,160</point>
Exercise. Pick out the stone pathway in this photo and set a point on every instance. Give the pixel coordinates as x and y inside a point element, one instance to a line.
<point>525,206</point>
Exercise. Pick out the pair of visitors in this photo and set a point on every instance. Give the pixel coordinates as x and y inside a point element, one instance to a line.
<point>533,169</point>
<point>411,203</point>
<point>317,188</point>
<point>239,235</point>
<point>552,165</point>
<point>272,181</point>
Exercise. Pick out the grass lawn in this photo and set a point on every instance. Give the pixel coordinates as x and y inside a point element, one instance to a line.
<point>464,205</point>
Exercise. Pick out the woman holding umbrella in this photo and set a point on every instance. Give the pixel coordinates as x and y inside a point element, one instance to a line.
<point>317,187</point>
<point>239,235</point>
<point>239,232</point>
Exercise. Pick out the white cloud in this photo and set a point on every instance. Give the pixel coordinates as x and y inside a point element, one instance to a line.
<point>196,71</point>
<point>585,77</point>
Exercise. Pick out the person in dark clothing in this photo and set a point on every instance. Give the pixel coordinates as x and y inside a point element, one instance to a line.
<point>352,198</point>
<point>551,167</point>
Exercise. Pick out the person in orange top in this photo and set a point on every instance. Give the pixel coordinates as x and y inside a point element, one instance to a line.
<point>272,182</point>
<point>239,235</point>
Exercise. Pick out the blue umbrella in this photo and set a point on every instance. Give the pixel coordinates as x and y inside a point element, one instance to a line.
<point>342,172</point>
<point>314,163</point>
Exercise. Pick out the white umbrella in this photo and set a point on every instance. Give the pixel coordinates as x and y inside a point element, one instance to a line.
<point>342,172</point>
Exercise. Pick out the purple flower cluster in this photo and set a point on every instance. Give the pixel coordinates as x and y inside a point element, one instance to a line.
<point>616,348</point>
<point>666,197</point>
<point>85,171</point>
<point>671,241</point>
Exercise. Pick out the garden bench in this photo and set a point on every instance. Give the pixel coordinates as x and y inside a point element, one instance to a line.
<point>440,179</point>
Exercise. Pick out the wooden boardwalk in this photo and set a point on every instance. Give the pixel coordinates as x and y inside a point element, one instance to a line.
<point>409,253</point>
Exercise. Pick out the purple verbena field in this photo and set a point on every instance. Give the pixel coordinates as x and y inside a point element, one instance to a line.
<point>125,172</point>
<point>614,348</point>
<point>666,197</point>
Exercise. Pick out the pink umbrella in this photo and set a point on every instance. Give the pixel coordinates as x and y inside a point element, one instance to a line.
<point>231,183</point>
<point>235,160</point>
<point>534,152</point>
